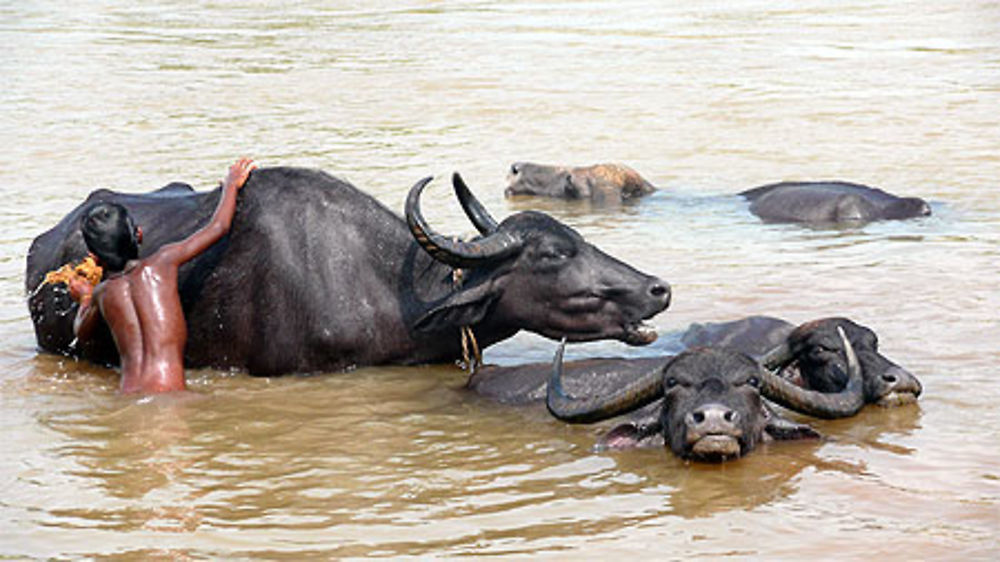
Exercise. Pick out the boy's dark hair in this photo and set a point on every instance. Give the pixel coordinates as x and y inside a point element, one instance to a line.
<point>109,233</point>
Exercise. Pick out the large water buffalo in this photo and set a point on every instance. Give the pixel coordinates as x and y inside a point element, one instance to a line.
<point>600,183</point>
<point>316,275</point>
<point>830,202</point>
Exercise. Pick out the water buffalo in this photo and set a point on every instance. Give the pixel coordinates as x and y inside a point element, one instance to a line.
<point>812,356</point>
<point>705,403</point>
<point>316,275</point>
<point>601,182</point>
<point>709,403</point>
<point>811,361</point>
<point>830,203</point>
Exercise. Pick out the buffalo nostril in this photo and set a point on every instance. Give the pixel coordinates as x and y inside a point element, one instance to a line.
<point>889,378</point>
<point>699,417</point>
<point>660,290</point>
<point>729,416</point>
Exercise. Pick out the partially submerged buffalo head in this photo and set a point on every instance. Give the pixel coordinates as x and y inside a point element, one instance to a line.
<point>712,407</point>
<point>598,182</point>
<point>818,354</point>
<point>536,273</point>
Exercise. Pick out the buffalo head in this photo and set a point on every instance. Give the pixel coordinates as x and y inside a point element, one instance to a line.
<point>533,272</point>
<point>602,181</point>
<point>907,207</point>
<point>712,407</point>
<point>816,350</point>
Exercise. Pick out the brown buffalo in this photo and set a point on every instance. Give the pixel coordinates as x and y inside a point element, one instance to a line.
<point>601,182</point>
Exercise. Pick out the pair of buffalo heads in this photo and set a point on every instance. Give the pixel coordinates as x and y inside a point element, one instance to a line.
<point>712,398</point>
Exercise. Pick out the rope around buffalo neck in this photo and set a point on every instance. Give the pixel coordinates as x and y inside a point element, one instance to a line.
<point>472,356</point>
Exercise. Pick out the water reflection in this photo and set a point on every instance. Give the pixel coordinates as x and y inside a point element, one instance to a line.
<point>133,452</point>
<point>881,428</point>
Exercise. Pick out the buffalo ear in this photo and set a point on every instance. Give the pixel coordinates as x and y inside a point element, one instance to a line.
<point>628,436</point>
<point>464,308</point>
<point>779,428</point>
<point>783,429</point>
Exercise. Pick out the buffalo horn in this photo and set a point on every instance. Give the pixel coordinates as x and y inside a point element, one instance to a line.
<point>452,251</point>
<point>475,210</point>
<point>778,358</point>
<point>811,402</point>
<point>640,392</point>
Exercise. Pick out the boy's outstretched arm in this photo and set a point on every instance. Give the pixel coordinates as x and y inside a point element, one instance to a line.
<point>218,225</point>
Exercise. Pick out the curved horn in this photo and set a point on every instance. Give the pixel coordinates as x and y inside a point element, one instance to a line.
<point>475,210</point>
<point>820,404</point>
<point>455,252</point>
<point>778,358</point>
<point>642,391</point>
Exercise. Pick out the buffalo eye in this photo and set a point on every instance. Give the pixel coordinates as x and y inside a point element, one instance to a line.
<point>754,382</point>
<point>515,169</point>
<point>671,382</point>
<point>820,349</point>
<point>552,256</point>
<point>554,253</point>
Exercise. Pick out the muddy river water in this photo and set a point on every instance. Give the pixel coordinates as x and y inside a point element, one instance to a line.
<point>703,98</point>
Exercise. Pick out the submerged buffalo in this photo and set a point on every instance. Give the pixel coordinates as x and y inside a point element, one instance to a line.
<point>601,182</point>
<point>705,403</point>
<point>709,403</point>
<point>827,368</point>
<point>716,414</point>
<point>812,355</point>
<point>830,203</point>
<point>316,275</point>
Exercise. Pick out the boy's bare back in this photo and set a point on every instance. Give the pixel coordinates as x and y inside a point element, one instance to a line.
<point>142,306</point>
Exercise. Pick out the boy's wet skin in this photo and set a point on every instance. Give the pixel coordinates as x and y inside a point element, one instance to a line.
<point>139,299</point>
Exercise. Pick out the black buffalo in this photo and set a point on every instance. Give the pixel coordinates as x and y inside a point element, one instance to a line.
<point>830,203</point>
<point>705,403</point>
<point>709,404</point>
<point>812,355</point>
<point>316,275</point>
<point>615,380</point>
<point>826,368</point>
<point>600,183</point>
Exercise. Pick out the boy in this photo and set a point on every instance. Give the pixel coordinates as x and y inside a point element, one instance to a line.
<point>139,299</point>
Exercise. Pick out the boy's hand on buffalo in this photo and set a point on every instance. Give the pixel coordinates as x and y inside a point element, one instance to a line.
<point>239,172</point>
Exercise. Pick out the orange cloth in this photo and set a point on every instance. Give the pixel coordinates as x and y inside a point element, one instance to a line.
<point>86,269</point>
